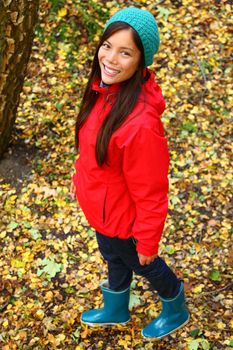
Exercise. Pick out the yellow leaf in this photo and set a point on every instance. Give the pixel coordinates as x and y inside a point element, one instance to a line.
<point>18,303</point>
<point>61,337</point>
<point>52,81</point>
<point>17,263</point>
<point>27,257</point>
<point>109,4</point>
<point>48,296</point>
<point>67,229</point>
<point>10,202</point>
<point>80,273</point>
<point>209,84</point>
<point>30,306</point>
<point>40,314</point>
<point>35,279</point>
<point>5,324</point>
<point>96,38</point>
<point>62,12</point>
<point>84,81</point>
<point>214,25</point>
<point>221,325</point>
<point>3,234</point>
<point>198,289</point>
<point>51,338</point>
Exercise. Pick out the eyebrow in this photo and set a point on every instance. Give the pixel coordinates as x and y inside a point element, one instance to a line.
<point>122,47</point>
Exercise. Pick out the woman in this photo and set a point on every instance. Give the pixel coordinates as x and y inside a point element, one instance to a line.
<point>121,179</point>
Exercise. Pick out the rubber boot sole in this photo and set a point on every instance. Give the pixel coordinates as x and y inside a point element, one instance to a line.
<point>105,324</point>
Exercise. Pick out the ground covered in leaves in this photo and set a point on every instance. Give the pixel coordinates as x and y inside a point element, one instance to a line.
<point>50,265</point>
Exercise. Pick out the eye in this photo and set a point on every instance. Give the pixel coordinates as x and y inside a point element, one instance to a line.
<point>106,45</point>
<point>125,53</point>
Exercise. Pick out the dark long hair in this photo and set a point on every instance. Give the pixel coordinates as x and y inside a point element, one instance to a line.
<point>124,103</point>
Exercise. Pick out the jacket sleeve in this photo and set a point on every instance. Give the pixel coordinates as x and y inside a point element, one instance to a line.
<point>145,168</point>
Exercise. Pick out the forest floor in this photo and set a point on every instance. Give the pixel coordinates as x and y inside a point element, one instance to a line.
<point>50,265</point>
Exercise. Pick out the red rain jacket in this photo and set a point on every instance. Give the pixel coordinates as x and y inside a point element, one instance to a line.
<point>129,196</point>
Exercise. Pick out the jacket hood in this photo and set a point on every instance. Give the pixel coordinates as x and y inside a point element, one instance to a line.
<point>151,92</point>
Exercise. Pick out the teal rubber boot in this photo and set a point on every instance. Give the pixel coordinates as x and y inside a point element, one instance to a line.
<point>115,310</point>
<point>174,315</point>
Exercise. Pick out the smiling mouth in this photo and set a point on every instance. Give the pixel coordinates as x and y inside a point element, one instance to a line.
<point>110,71</point>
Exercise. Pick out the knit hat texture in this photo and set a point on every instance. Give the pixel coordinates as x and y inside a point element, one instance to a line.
<point>144,23</point>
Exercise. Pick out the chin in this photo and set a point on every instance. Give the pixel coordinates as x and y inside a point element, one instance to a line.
<point>108,80</point>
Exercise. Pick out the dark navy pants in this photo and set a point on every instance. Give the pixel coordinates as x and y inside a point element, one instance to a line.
<point>122,259</point>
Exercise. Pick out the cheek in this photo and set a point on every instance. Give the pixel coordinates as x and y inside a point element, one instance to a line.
<point>131,68</point>
<point>99,55</point>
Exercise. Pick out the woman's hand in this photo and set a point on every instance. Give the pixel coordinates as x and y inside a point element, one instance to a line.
<point>72,190</point>
<point>146,260</point>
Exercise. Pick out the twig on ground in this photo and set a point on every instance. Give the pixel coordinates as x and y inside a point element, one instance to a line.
<point>202,69</point>
<point>219,290</point>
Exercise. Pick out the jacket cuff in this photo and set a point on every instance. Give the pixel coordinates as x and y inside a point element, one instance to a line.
<point>147,250</point>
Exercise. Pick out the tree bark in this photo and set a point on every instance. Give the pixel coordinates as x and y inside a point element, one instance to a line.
<point>17,21</point>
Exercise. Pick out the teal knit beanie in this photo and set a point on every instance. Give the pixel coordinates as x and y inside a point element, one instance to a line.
<point>144,23</point>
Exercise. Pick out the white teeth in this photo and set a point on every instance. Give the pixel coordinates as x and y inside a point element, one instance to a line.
<point>110,71</point>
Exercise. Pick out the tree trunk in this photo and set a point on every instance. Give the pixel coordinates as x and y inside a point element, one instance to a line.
<point>17,20</point>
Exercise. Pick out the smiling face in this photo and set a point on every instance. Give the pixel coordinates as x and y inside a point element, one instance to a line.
<point>119,57</point>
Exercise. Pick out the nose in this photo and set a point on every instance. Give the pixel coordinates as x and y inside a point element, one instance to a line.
<point>112,57</point>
